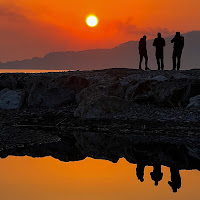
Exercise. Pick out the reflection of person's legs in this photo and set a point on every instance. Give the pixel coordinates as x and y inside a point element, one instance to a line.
<point>175,182</point>
<point>140,171</point>
<point>141,58</point>
<point>157,169</point>
<point>162,63</point>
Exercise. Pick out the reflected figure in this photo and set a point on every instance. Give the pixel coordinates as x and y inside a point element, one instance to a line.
<point>159,43</point>
<point>156,174</point>
<point>175,182</point>
<point>143,52</point>
<point>178,41</point>
<point>140,171</point>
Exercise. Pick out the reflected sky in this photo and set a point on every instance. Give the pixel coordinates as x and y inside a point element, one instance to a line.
<point>47,178</point>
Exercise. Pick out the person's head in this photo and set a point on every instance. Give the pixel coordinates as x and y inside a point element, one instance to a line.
<point>178,34</point>
<point>159,35</point>
<point>144,37</point>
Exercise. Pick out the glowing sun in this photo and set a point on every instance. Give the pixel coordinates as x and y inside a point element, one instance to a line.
<point>92,20</point>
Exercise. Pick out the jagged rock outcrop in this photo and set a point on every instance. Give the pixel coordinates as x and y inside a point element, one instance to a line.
<point>105,93</point>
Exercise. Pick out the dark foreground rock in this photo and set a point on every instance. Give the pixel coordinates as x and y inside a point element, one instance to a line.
<point>103,93</point>
<point>45,99</point>
<point>39,108</point>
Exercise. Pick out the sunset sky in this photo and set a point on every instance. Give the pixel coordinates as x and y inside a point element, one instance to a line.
<point>35,27</point>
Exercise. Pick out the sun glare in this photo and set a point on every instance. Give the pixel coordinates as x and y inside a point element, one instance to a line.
<point>92,20</point>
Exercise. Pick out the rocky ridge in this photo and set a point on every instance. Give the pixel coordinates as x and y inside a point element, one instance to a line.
<point>110,93</point>
<point>40,108</point>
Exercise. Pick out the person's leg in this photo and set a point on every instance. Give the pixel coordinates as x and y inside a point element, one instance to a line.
<point>179,60</point>
<point>141,58</point>
<point>146,62</point>
<point>174,60</point>
<point>178,63</point>
<point>158,63</point>
<point>162,63</point>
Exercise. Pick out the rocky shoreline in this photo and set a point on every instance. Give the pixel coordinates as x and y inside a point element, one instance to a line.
<point>44,108</point>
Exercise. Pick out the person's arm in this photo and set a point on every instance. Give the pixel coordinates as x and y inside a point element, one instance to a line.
<point>154,42</point>
<point>140,44</point>
<point>183,42</point>
<point>164,43</point>
<point>173,40</point>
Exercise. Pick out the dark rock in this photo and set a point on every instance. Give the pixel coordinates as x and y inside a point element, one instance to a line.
<point>76,83</point>
<point>194,103</point>
<point>8,81</point>
<point>146,88</point>
<point>170,93</point>
<point>10,99</point>
<point>101,106</point>
<point>44,97</point>
<point>104,88</point>
<point>159,78</point>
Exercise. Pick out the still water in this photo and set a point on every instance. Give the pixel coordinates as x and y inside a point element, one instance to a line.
<point>46,178</point>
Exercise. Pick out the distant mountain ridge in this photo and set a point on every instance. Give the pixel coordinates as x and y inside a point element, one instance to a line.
<point>124,55</point>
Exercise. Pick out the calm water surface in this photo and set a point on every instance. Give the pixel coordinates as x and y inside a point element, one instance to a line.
<point>25,178</point>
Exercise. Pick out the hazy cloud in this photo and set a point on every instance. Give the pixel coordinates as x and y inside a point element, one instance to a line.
<point>12,13</point>
<point>129,28</point>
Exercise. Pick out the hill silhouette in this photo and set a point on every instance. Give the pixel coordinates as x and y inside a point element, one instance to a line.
<point>122,56</point>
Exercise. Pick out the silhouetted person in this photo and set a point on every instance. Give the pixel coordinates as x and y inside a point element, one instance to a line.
<point>159,43</point>
<point>143,52</point>
<point>156,174</point>
<point>140,171</point>
<point>175,182</point>
<point>178,41</point>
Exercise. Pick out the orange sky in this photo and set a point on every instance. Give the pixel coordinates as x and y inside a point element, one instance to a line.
<point>34,27</point>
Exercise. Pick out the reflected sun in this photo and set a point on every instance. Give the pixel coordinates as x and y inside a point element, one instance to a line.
<point>92,21</point>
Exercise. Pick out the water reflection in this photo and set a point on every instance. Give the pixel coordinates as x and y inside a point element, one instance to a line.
<point>176,154</point>
<point>157,175</point>
<point>48,178</point>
